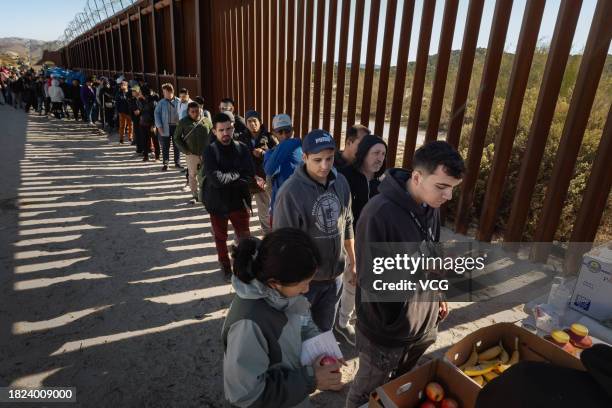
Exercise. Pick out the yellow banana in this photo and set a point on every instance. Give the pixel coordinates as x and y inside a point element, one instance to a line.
<point>490,375</point>
<point>515,354</point>
<point>479,370</point>
<point>489,354</point>
<point>471,361</point>
<point>503,357</point>
<point>479,380</point>
<point>501,368</point>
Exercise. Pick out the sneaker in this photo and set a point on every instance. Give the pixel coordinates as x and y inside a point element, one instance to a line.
<point>227,272</point>
<point>145,159</point>
<point>348,333</point>
<point>165,167</point>
<point>178,166</point>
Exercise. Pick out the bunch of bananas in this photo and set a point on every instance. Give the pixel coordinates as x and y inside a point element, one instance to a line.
<point>484,367</point>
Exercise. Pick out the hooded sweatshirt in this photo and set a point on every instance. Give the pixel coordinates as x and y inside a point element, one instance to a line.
<point>386,218</point>
<point>324,212</point>
<point>362,189</point>
<point>280,163</point>
<point>262,337</point>
<point>55,92</point>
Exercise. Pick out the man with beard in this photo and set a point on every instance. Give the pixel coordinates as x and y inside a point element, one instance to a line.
<point>228,172</point>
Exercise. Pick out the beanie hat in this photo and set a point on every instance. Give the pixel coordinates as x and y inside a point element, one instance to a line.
<point>364,147</point>
<point>252,114</point>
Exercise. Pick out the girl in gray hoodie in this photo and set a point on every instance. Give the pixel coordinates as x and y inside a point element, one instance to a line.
<point>268,321</point>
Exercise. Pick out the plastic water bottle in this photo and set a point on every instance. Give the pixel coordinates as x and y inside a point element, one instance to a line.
<point>559,295</point>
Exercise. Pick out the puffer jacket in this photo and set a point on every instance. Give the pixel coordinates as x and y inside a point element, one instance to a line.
<point>55,92</point>
<point>262,337</point>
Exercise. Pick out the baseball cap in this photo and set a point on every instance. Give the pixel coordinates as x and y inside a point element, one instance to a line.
<point>282,120</point>
<point>318,140</point>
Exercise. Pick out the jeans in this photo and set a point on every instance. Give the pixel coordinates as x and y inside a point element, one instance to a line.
<point>347,300</point>
<point>39,100</point>
<point>262,200</point>
<point>164,141</point>
<point>87,108</point>
<point>378,364</point>
<point>95,112</point>
<point>17,100</point>
<point>240,222</point>
<point>323,297</point>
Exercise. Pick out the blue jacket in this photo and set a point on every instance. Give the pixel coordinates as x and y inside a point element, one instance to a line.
<point>280,163</point>
<point>162,115</point>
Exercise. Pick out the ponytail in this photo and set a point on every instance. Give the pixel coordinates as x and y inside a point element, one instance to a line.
<point>286,255</point>
<point>246,259</point>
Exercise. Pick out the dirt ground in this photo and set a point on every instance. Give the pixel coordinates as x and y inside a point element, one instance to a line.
<point>109,281</point>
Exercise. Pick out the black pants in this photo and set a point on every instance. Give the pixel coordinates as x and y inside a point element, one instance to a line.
<point>138,136</point>
<point>77,109</point>
<point>57,108</point>
<point>109,117</point>
<point>147,137</point>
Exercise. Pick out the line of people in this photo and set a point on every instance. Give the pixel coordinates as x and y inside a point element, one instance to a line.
<point>325,207</point>
<point>318,208</point>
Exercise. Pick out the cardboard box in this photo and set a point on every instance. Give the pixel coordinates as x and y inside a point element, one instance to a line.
<point>408,390</point>
<point>531,347</point>
<point>593,292</point>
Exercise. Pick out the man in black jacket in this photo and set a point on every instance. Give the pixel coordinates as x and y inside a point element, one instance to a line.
<point>363,179</point>
<point>75,100</point>
<point>228,172</point>
<point>392,335</point>
<point>259,141</point>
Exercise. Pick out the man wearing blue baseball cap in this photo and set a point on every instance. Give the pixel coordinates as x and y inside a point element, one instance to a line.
<point>281,161</point>
<point>317,199</point>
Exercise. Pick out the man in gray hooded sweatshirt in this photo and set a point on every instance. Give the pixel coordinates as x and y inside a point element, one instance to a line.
<point>317,200</point>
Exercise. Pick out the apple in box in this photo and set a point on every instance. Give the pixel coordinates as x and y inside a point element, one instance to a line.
<point>436,397</point>
<point>434,392</point>
<point>449,403</point>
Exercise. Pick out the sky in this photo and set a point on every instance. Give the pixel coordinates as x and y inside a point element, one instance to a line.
<point>44,20</point>
<point>518,7</point>
<point>38,19</point>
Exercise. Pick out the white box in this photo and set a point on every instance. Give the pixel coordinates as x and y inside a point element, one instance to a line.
<point>593,292</point>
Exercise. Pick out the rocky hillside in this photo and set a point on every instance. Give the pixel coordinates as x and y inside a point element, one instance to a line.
<point>13,49</point>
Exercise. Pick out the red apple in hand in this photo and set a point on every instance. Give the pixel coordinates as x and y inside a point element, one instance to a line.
<point>427,404</point>
<point>329,360</point>
<point>434,391</point>
<point>449,403</point>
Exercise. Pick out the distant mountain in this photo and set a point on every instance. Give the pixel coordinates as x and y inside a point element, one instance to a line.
<point>14,48</point>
